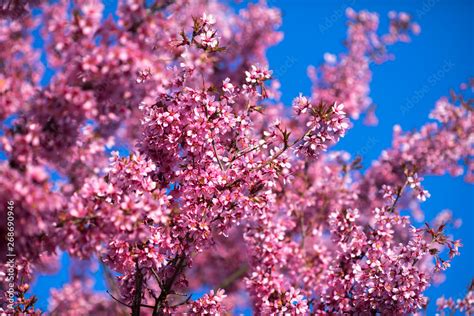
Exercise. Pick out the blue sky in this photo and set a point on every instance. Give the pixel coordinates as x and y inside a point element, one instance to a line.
<point>439,59</point>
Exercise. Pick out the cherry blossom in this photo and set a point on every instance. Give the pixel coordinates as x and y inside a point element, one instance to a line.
<point>160,149</point>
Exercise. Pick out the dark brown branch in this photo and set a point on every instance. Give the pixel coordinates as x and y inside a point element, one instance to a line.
<point>186,301</point>
<point>168,284</point>
<point>399,194</point>
<point>137,298</point>
<point>237,274</point>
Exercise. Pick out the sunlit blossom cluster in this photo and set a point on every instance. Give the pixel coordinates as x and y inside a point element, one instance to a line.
<point>161,151</point>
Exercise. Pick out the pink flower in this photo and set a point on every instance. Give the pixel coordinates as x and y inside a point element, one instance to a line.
<point>209,39</point>
<point>208,19</point>
<point>217,184</point>
<point>257,75</point>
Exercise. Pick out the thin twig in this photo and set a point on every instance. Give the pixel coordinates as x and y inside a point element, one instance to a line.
<point>183,302</point>
<point>399,194</point>
<point>117,300</point>
<point>155,274</point>
<point>217,156</point>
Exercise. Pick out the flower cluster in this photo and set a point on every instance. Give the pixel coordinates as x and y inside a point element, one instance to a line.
<point>77,298</point>
<point>16,9</point>
<point>373,271</point>
<point>20,71</point>
<point>346,78</point>
<point>215,185</point>
<point>256,76</point>
<point>209,304</point>
<point>203,36</point>
<point>326,125</point>
<point>415,184</point>
<point>123,218</point>
<point>464,305</point>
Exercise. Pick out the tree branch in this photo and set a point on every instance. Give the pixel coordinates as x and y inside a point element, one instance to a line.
<point>166,289</point>
<point>137,298</point>
<point>237,274</point>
